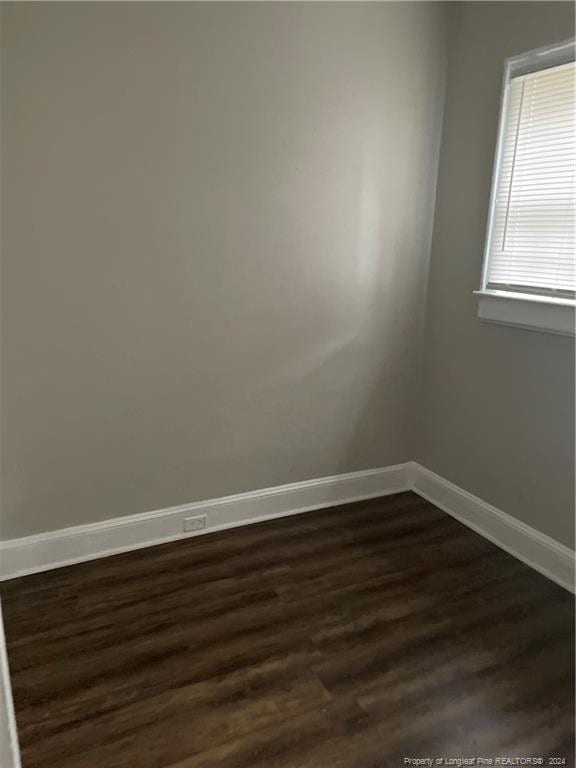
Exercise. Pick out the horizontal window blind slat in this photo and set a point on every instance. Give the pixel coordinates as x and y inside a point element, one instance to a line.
<point>540,162</point>
<point>508,274</point>
<point>514,264</point>
<point>536,234</point>
<point>510,271</point>
<point>550,150</point>
<point>538,211</point>
<point>539,194</point>
<point>528,251</point>
<point>560,113</point>
<point>522,288</point>
<point>548,214</point>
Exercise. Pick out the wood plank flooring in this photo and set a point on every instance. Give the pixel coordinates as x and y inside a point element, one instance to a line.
<point>353,637</point>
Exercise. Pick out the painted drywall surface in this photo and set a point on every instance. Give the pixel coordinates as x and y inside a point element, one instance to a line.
<point>217,221</point>
<point>498,415</point>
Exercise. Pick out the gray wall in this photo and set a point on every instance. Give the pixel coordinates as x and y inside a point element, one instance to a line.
<point>498,403</point>
<point>217,223</point>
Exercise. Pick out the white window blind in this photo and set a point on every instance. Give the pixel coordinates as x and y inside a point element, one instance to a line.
<point>531,246</point>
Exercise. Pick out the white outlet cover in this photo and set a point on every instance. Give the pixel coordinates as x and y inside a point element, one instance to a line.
<point>194,523</point>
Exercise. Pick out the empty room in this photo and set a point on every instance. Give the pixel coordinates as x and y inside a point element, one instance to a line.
<point>287,384</point>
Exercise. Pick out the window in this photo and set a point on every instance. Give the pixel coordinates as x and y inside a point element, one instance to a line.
<point>529,274</point>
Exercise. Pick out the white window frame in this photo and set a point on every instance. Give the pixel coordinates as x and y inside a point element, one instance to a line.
<point>522,310</point>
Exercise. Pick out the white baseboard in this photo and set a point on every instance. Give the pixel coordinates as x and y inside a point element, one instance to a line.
<point>9,749</point>
<point>45,551</point>
<point>544,554</point>
<point>41,552</point>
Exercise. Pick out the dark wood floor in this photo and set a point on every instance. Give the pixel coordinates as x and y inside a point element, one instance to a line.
<point>347,638</point>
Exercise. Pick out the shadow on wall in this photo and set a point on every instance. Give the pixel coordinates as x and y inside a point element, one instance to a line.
<point>361,387</point>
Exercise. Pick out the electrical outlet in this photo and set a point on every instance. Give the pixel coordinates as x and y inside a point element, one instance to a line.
<point>194,523</point>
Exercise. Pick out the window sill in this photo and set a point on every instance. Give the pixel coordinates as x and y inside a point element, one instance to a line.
<point>533,313</point>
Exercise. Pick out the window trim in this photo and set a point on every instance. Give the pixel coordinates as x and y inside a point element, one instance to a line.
<point>530,311</point>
